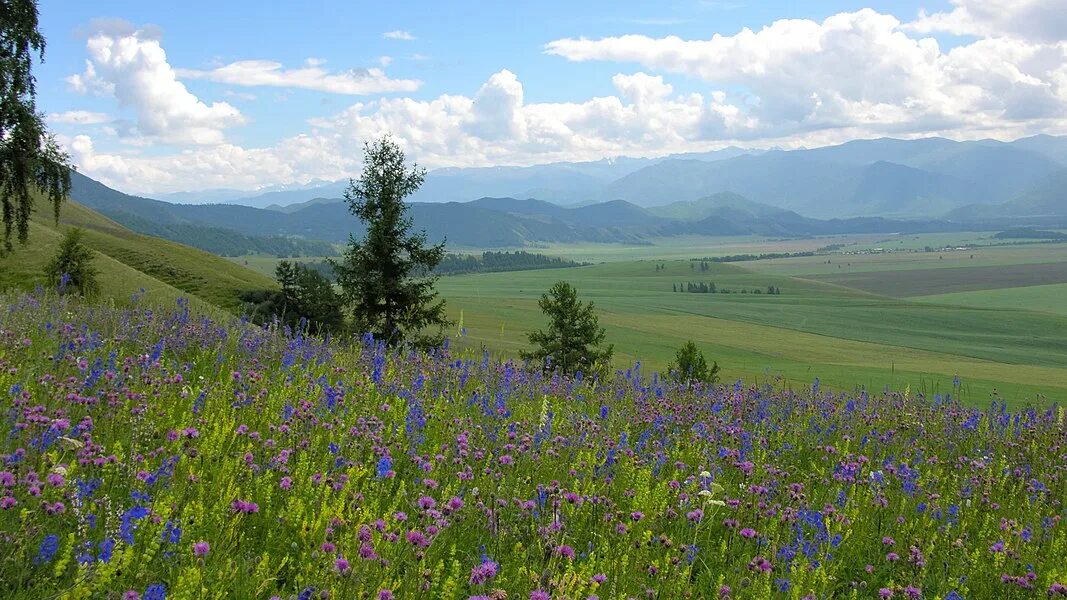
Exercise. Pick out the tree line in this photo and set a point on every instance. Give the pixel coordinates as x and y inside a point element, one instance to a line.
<point>494,262</point>
<point>709,287</point>
<point>748,257</point>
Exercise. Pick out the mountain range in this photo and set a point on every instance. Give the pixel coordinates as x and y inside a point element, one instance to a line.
<point>868,186</point>
<point>928,177</point>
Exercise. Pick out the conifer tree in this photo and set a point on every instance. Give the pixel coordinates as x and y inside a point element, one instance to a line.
<point>690,365</point>
<point>386,277</point>
<point>71,270</point>
<point>574,339</point>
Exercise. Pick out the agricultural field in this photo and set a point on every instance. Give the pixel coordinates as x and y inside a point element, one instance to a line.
<point>161,454</point>
<point>842,325</point>
<point>991,314</point>
<point>1045,298</point>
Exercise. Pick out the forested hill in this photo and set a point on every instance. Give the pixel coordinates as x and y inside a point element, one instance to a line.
<point>312,228</point>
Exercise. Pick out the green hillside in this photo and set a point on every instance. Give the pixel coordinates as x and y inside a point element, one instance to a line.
<point>129,262</point>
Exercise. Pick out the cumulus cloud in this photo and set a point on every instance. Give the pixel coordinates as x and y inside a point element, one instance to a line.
<point>791,83</point>
<point>312,76</point>
<point>399,34</point>
<point>132,66</point>
<point>494,126</point>
<point>1036,20</point>
<point>79,117</point>
<point>496,110</point>
<point>299,158</point>
<point>857,69</point>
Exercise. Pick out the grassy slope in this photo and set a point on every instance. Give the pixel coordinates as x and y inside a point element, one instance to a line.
<point>129,261</point>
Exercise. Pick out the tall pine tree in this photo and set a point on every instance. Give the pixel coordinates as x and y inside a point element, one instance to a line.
<point>30,159</point>
<point>385,278</point>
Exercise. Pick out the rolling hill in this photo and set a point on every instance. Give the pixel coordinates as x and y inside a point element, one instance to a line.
<point>129,262</point>
<point>483,223</point>
<point>201,226</point>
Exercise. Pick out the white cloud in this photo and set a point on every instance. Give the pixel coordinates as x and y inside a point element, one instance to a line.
<point>854,70</point>
<point>132,67</point>
<point>496,111</point>
<point>495,126</point>
<point>310,77</point>
<point>223,165</point>
<point>1035,20</point>
<point>399,34</point>
<point>794,82</point>
<point>246,96</point>
<point>79,117</point>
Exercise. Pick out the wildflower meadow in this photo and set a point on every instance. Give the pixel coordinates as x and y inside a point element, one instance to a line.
<point>157,453</point>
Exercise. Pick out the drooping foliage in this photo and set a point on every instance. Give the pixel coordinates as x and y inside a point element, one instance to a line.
<point>31,161</point>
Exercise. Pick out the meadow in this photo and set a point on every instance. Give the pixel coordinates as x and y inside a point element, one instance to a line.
<point>824,323</point>
<point>156,453</point>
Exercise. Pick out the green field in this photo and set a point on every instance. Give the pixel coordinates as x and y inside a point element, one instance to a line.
<point>862,315</point>
<point>1044,298</point>
<point>822,325</point>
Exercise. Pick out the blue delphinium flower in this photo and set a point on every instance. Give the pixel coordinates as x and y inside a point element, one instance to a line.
<point>384,466</point>
<point>156,591</point>
<point>47,550</point>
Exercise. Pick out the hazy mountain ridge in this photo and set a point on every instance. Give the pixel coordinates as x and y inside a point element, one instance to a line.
<point>926,177</point>
<point>482,223</point>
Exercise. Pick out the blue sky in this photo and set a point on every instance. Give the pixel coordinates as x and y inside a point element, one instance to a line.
<point>484,83</point>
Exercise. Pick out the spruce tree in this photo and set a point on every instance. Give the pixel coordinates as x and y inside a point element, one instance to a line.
<point>574,339</point>
<point>307,296</point>
<point>386,278</point>
<point>690,365</point>
<point>30,160</point>
<point>71,269</point>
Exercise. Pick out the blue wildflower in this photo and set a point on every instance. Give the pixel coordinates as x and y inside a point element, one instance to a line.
<point>47,550</point>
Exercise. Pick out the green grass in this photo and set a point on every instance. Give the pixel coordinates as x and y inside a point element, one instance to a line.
<point>822,325</point>
<point>814,329</point>
<point>839,264</point>
<point>129,261</point>
<point>1043,298</point>
<point>818,327</point>
<point>925,282</point>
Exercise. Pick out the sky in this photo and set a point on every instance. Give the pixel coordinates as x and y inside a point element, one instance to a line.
<point>156,97</point>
